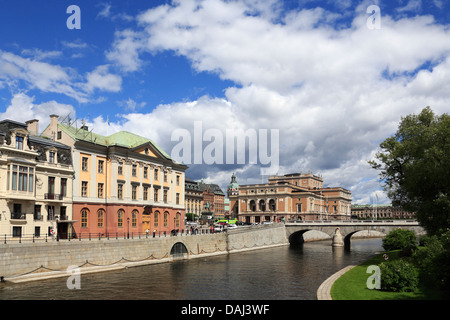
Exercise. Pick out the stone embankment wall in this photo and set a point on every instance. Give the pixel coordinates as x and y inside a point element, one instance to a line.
<point>32,261</point>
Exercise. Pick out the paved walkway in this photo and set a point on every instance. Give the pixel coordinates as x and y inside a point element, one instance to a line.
<point>324,291</point>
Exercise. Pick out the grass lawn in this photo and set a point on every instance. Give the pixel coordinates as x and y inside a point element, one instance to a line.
<point>352,285</point>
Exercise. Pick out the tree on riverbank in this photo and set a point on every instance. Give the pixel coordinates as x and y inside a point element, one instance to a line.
<point>414,165</point>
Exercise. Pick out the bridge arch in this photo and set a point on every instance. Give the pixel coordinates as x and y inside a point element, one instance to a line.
<point>300,236</point>
<point>179,251</point>
<point>363,234</point>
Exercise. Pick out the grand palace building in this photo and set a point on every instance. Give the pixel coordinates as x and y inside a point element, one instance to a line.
<point>296,196</point>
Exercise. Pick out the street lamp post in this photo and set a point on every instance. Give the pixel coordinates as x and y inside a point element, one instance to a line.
<point>128,232</point>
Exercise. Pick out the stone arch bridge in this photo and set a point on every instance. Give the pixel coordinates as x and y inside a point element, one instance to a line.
<point>368,228</point>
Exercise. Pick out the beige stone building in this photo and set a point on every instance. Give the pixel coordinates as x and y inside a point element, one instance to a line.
<point>380,211</point>
<point>290,197</point>
<point>35,183</point>
<point>193,198</point>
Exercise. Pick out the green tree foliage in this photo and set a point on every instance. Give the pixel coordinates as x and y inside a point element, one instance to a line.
<point>399,239</point>
<point>414,166</point>
<point>399,276</point>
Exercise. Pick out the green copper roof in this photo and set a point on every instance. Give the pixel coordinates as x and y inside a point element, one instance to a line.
<point>122,138</point>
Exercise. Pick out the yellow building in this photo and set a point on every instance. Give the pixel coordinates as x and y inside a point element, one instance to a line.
<point>124,183</point>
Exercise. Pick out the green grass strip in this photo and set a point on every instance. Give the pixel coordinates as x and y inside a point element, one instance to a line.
<point>352,285</point>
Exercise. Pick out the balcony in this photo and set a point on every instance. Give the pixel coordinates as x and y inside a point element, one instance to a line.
<point>53,196</point>
<point>18,216</point>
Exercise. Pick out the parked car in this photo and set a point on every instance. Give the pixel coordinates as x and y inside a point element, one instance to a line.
<point>231,226</point>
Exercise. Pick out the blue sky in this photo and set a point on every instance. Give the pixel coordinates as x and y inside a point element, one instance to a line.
<point>313,70</point>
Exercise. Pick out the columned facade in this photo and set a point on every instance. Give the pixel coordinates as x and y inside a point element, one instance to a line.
<point>290,197</point>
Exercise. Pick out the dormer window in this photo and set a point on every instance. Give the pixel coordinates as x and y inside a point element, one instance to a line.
<point>51,157</point>
<point>19,142</point>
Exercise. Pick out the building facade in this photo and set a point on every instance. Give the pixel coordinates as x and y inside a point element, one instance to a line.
<point>35,183</point>
<point>380,211</point>
<point>290,197</point>
<point>193,198</point>
<point>124,183</point>
<point>214,196</point>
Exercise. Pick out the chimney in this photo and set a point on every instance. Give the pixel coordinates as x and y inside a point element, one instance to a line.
<point>33,126</point>
<point>53,125</point>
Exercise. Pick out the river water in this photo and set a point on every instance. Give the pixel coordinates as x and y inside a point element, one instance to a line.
<point>281,273</point>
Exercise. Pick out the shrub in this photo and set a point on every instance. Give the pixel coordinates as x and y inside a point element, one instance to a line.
<point>400,239</point>
<point>399,276</point>
<point>433,260</point>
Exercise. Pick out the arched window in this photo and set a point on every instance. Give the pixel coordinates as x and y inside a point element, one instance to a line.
<point>155,219</point>
<point>262,205</point>
<point>100,217</point>
<point>272,205</point>
<point>166,218</point>
<point>177,220</point>
<point>84,218</point>
<point>120,218</point>
<point>134,215</point>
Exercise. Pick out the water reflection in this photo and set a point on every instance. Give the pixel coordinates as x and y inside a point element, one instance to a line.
<point>290,272</point>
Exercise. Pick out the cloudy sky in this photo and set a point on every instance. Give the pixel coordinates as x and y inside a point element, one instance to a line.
<point>326,80</point>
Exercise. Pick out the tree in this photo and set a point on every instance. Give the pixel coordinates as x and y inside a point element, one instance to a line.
<point>414,166</point>
<point>399,239</point>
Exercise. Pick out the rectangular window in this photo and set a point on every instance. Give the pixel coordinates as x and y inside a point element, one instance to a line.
<point>17,232</point>
<point>165,176</point>
<point>37,212</point>
<point>120,191</point>
<point>100,190</point>
<point>51,157</point>
<point>62,213</point>
<point>178,180</point>
<point>145,195</point>
<point>100,166</point>
<point>59,135</point>
<point>134,170</point>
<point>51,186</point>
<point>64,187</point>
<point>120,168</point>
<point>84,164</point>
<point>84,188</point>
<point>19,142</point>
<point>37,231</point>
<point>165,196</point>
<point>134,192</point>
<point>14,177</point>
<point>178,198</point>
<point>23,178</point>
<point>156,174</point>
<point>155,195</point>
<point>17,208</point>
<point>145,172</point>
<point>50,213</point>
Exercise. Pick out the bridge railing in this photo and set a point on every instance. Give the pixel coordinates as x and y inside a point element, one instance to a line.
<point>341,222</point>
<point>83,236</point>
